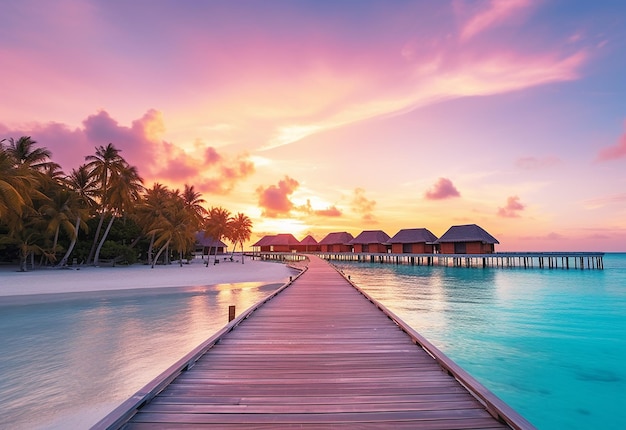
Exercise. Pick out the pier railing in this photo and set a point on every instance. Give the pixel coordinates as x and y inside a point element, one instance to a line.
<point>525,260</point>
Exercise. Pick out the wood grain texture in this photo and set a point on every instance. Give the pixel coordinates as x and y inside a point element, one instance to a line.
<point>318,355</point>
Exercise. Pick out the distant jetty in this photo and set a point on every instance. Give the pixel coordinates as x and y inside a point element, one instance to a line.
<point>525,260</point>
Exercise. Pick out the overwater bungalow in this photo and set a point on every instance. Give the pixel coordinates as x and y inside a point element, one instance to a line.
<point>374,241</point>
<point>208,244</point>
<point>413,241</point>
<point>466,239</point>
<point>336,242</point>
<point>264,244</point>
<point>309,244</point>
<point>284,242</point>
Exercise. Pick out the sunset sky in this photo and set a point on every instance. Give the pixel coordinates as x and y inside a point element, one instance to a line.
<point>319,116</point>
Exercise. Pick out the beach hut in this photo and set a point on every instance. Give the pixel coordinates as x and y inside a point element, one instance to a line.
<point>309,244</point>
<point>208,244</point>
<point>466,239</point>
<point>264,244</point>
<point>374,241</point>
<point>284,242</point>
<point>336,242</point>
<point>413,241</point>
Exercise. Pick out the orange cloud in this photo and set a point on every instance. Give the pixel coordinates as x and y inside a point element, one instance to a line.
<point>331,211</point>
<point>443,189</point>
<point>614,152</point>
<point>363,206</point>
<point>274,200</point>
<point>512,208</point>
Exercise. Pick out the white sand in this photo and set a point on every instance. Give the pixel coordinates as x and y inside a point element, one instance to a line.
<point>46,281</point>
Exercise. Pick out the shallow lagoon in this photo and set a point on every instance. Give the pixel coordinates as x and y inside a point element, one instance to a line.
<point>67,363</point>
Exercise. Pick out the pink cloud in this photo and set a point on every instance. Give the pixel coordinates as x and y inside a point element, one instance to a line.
<point>138,143</point>
<point>536,163</point>
<point>141,145</point>
<point>443,189</point>
<point>68,146</point>
<point>512,208</point>
<point>211,156</point>
<point>274,200</point>
<point>614,152</point>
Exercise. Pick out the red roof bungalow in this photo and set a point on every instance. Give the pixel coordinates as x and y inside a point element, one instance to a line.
<point>336,242</point>
<point>284,243</point>
<point>264,244</point>
<point>309,244</point>
<point>466,239</point>
<point>370,241</point>
<point>208,244</point>
<point>413,241</point>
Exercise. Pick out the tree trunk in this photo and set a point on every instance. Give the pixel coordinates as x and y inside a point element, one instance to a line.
<point>104,237</point>
<point>208,257</point>
<point>156,257</point>
<point>63,261</point>
<point>95,239</point>
<point>180,258</point>
<point>151,248</point>
<point>241,252</point>
<point>56,239</point>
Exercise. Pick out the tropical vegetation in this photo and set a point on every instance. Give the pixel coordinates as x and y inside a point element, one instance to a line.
<point>99,212</point>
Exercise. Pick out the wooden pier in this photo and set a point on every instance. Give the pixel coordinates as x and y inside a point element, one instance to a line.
<point>319,353</point>
<point>525,260</point>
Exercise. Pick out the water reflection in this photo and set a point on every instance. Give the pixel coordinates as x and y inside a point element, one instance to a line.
<point>66,364</point>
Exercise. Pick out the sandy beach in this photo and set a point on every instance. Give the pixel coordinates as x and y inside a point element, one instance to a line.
<point>90,279</point>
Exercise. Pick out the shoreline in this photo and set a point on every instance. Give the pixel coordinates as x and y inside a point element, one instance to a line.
<point>44,285</point>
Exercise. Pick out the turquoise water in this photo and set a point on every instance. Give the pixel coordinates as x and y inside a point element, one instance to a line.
<point>549,342</point>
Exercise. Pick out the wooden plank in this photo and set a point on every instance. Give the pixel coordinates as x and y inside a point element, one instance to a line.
<point>319,354</point>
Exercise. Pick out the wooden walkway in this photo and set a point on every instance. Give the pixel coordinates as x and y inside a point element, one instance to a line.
<point>321,355</point>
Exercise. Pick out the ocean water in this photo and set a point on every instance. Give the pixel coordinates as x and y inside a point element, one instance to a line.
<point>549,342</point>
<point>66,364</point>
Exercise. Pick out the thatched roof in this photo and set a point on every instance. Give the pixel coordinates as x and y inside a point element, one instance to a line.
<point>309,240</point>
<point>467,233</point>
<point>284,239</point>
<point>414,235</point>
<point>265,241</point>
<point>208,241</point>
<point>337,238</point>
<point>370,236</point>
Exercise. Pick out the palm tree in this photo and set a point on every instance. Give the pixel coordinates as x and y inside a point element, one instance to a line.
<point>241,228</point>
<point>21,197</point>
<point>16,182</point>
<point>125,188</point>
<point>106,162</point>
<point>193,204</point>
<point>151,211</point>
<point>24,153</point>
<point>84,189</point>
<point>216,226</point>
<point>177,228</point>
